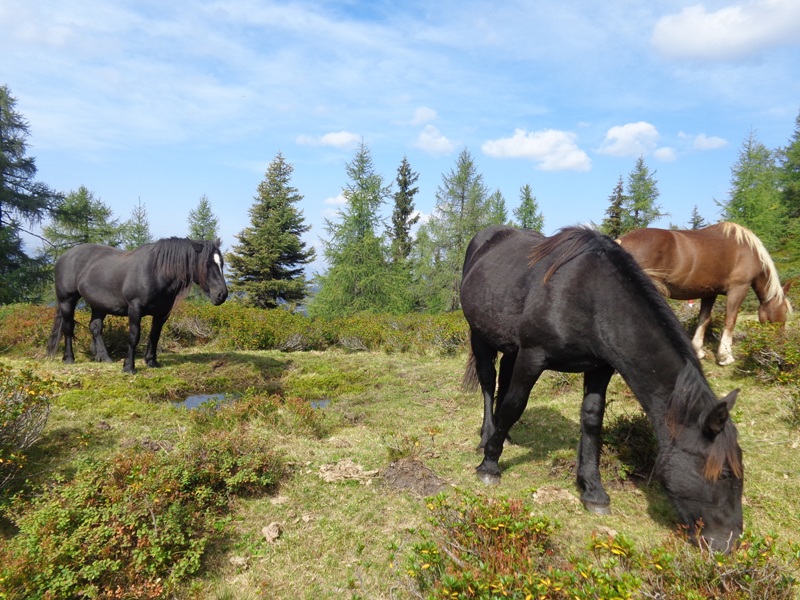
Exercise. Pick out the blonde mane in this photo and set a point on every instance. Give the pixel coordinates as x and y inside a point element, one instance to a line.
<point>744,236</point>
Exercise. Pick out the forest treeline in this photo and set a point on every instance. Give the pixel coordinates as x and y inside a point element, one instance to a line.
<point>375,263</point>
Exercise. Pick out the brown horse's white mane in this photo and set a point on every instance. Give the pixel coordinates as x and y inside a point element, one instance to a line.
<point>746,237</point>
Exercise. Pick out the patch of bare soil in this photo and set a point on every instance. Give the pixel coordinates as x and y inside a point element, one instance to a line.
<point>410,474</point>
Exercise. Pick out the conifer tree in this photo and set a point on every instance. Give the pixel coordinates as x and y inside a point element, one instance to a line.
<point>267,266</point>
<point>403,217</point>
<point>24,202</point>
<point>612,225</point>
<point>203,223</point>
<point>755,196</point>
<point>640,202</point>
<point>81,219</point>
<point>527,213</point>
<point>496,211</point>
<point>462,209</point>
<point>136,230</point>
<point>360,276</point>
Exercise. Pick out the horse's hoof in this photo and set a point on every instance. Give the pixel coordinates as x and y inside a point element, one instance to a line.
<point>488,478</point>
<point>598,509</point>
<point>726,361</point>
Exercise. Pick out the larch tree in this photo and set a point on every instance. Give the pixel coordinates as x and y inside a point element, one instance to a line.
<point>82,219</point>
<point>361,276</point>
<point>496,211</point>
<point>527,214</point>
<point>462,209</point>
<point>755,196</point>
<point>24,203</point>
<point>267,266</point>
<point>203,223</point>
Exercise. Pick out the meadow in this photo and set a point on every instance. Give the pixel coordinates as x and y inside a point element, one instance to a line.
<point>342,465</point>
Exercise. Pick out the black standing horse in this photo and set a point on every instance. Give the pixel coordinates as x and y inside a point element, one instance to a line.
<point>578,302</point>
<point>146,281</point>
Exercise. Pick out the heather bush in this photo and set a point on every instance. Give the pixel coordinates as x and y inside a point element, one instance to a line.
<point>483,548</point>
<point>135,526</point>
<point>24,407</point>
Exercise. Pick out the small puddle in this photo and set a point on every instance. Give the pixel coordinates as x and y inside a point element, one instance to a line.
<point>198,400</point>
<point>322,403</point>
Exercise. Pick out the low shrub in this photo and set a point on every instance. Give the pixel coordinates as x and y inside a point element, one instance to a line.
<point>137,525</point>
<point>24,326</point>
<point>485,548</point>
<point>24,408</point>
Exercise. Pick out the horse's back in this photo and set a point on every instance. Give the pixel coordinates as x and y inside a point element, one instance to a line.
<point>693,263</point>
<point>78,262</point>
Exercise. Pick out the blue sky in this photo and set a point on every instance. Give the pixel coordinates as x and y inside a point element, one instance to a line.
<point>166,101</point>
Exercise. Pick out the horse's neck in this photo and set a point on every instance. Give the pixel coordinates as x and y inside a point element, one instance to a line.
<point>652,376</point>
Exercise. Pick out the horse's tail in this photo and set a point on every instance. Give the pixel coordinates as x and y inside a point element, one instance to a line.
<point>470,381</point>
<point>55,334</point>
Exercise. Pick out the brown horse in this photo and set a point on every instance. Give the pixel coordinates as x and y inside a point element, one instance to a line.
<point>725,258</point>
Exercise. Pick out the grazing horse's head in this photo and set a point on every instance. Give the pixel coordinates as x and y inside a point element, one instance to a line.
<point>702,471</point>
<point>209,273</point>
<point>776,309</point>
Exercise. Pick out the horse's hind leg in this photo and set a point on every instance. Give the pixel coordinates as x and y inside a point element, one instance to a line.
<point>485,357</point>
<point>527,368</point>
<point>96,329</point>
<point>593,495</point>
<point>67,310</point>
<point>703,320</point>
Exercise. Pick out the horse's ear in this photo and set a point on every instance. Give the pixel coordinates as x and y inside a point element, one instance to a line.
<point>786,287</point>
<point>198,246</point>
<point>714,421</point>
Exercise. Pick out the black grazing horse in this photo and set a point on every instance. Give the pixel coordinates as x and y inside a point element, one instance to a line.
<point>578,302</point>
<point>146,281</point>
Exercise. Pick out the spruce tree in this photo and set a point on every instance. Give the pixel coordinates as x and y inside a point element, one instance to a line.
<point>267,266</point>
<point>496,211</point>
<point>612,224</point>
<point>640,202</point>
<point>203,223</point>
<point>24,202</point>
<point>403,217</point>
<point>136,230</point>
<point>790,173</point>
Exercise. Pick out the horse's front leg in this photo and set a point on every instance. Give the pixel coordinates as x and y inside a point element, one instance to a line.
<point>152,340</point>
<point>134,332</point>
<point>734,301</point>
<point>96,328</point>
<point>703,320</point>
<point>593,495</point>
<point>527,368</point>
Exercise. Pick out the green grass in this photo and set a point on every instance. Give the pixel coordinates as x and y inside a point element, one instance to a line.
<point>350,538</point>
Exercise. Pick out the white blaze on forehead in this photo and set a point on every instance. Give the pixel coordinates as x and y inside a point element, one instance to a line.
<point>218,260</point>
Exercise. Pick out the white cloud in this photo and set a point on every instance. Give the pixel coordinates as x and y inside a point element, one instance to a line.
<point>423,115</point>
<point>666,154</point>
<point>704,142</point>
<point>338,139</point>
<point>553,150</point>
<point>432,141</point>
<point>729,33</point>
<point>335,200</point>
<point>631,139</point>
